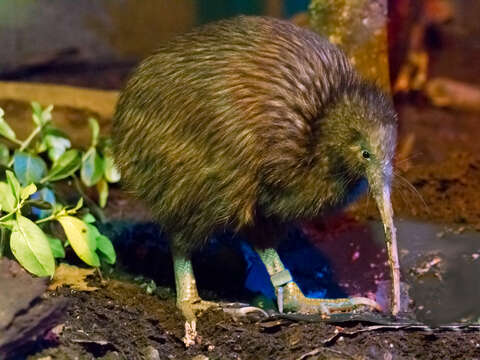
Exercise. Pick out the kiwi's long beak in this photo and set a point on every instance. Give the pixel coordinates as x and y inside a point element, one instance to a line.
<point>380,187</point>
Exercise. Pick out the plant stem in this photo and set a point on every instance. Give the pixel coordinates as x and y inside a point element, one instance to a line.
<point>48,218</point>
<point>9,214</point>
<point>95,209</point>
<point>15,141</point>
<point>27,141</point>
<point>30,138</point>
<point>3,242</point>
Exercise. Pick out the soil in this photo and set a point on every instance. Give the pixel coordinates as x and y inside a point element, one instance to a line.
<point>122,321</point>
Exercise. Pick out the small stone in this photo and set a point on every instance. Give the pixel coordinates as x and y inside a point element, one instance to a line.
<point>200,357</point>
<point>151,353</point>
<point>112,355</point>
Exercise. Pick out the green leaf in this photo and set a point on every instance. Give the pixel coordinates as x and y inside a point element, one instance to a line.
<point>28,191</point>
<point>106,250</point>
<point>57,247</point>
<point>95,130</point>
<point>92,167</point>
<point>55,141</point>
<point>65,166</point>
<point>102,188</point>
<point>40,146</point>
<point>4,154</point>
<point>94,232</point>
<point>43,203</point>
<point>30,247</point>
<point>41,116</point>
<point>78,205</point>
<point>81,239</point>
<point>57,145</point>
<point>89,218</point>
<point>103,245</point>
<point>14,185</point>
<point>5,129</point>
<point>9,222</point>
<point>112,174</point>
<point>36,113</point>
<point>40,204</point>
<point>28,168</point>
<point>7,199</point>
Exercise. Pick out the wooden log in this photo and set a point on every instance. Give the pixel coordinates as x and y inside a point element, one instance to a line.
<point>453,94</point>
<point>360,28</point>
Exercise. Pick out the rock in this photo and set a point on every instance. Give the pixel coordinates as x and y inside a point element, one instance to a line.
<point>150,353</point>
<point>24,315</point>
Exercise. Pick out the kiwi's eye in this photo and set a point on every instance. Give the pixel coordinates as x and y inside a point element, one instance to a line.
<point>366,154</point>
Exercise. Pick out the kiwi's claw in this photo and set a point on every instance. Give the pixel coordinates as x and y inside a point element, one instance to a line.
<point>363,301</point>
<point>190,310</point>
<point>191,336</point>
<point>295,301</point>
<point>245,311</point>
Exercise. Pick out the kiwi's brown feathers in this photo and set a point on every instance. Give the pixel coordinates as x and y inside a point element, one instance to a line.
<point>232,125</point>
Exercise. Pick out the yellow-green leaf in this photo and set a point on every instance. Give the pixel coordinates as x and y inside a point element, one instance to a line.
<point>7,199</point>
<point>31,248</point>
<point>81,239</point>
<point>102,188</point>
<point>4,154</point>
<point>64,166</point>
<point>112,174</point>
<point>92,167</point>
<point>41,116</point>
<point>77,207</point>
<point>14,184</point>
<point>95,130</point>
<point>27,191</point>
<point>5,129</point>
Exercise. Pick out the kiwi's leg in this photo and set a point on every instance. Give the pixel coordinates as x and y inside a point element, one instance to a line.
<point>291,298</point>
<point>188,301</point>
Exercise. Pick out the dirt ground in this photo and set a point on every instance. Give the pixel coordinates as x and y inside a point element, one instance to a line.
<point>122,321</point>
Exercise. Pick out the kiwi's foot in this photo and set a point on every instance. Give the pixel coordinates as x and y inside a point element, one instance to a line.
<point>291,299</point>
<point>190,310</point>
<point>238,310</point>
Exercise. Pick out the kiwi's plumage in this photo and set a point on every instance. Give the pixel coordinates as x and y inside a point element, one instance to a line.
<point>244,123</point>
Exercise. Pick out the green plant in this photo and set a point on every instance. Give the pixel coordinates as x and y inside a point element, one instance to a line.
<point>29,203</point>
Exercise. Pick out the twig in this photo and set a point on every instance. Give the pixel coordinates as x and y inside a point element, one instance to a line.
<point>92,205</point>
<point>445,92</point>
<point>99,272</point>
<point>322,349</point>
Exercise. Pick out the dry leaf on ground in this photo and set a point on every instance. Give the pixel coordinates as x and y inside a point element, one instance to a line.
<point>72,276</point>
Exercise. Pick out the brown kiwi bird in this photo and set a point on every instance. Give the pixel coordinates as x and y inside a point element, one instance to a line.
<point>251,123</point>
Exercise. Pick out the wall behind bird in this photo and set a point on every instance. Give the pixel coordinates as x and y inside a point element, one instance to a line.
<point>35,33</point>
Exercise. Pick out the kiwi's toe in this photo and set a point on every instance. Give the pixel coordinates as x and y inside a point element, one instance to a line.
<point>293,300</point>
